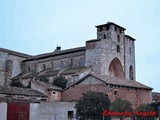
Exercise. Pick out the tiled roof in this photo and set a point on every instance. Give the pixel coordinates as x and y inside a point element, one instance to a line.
<point>51,72</point>
<point>75,71</point>
<point>130,37</point>
<point>124,82</point>
<point>21,91</point>
<point>25,75</point>
<point>114,81</point>
<point>156,95</point>
<point>56,53</point>
<point>110,23</point>
<point>47,85</point>
<point>15,53</point>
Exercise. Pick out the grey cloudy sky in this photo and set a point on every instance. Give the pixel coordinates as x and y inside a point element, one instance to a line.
<point>38,26</point>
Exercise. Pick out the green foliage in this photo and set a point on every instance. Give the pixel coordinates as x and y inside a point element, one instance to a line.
<point>120,105</point>
<point>42,78</point>
<point>92,105</point>
<point>60,81</point>
<point>145,108</point>
<point>16,83</point>
<point>155,106</point>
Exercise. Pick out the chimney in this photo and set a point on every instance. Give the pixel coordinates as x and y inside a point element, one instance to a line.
<point>58,48</point>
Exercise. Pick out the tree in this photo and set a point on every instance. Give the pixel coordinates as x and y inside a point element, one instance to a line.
<point>155,106</point>
<point>92,105</point>
<point>120,105</point>
<point>145,108</point>
<point>42,78</point>
<point>16,83</point>
<point>60,81</point>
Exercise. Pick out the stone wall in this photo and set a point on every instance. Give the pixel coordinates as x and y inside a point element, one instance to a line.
<point>14,68</point>
<point>111,43</point>
<point>130,57</point>
<point>54,62</point>
<point>105,50</point>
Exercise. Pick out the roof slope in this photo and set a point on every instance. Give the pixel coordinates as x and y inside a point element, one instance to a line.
<point>56,53</point>
<point>15,53</point>
<point>47,85</point>
<point>20,91</point>
<point>114,81</point>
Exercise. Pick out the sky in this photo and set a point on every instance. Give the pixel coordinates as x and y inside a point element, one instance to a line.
<point>38,26</point>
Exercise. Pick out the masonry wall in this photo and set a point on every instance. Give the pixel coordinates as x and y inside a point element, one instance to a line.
<point>129,57</point>
<point>135,96</point>
<point>3,111</point>
<point>51,111</point>
<point>103,51</point>
<point>13,69</point>
<point>69,60</point>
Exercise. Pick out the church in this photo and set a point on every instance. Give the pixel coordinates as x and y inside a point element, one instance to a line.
<point>105,64</point>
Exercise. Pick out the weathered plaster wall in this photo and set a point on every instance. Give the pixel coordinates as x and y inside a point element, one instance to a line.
<point>3,111</point>
<point>51,111</point>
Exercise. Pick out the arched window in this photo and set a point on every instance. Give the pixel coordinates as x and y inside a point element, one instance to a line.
<point>9,65</point>
<point>104,36</point>
<point>29,69</point>
<point>115,28</point>
<point>118,48</point>
<point>118,38</point>
<point>61,65</point>
<point>51,64</point>
<point>43,67</point>
<point>130,50</point>
<point>131,72</point>
<point>81,62</point>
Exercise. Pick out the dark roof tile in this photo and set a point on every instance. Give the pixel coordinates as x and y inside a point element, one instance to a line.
<point>15,53</point>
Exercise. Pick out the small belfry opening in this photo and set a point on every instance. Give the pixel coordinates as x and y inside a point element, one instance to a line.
<point>131,72</point>
<point>115,68</point>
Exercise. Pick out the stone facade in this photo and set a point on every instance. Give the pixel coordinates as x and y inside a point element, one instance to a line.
<point>111,43</point>
<point>110,57</point>
<point>10,65</point>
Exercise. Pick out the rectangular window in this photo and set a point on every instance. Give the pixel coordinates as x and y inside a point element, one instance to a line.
<point>70,115</point>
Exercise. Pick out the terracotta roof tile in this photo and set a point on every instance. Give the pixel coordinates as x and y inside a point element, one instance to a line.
<point>47,85</point>
<point>114,81</point>
<point>20,91</point>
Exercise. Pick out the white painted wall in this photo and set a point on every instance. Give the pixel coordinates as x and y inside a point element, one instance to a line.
<point>51,111</point>
<point>3,111</point>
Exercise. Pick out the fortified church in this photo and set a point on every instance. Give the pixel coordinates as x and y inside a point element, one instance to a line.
<point>105,64</point>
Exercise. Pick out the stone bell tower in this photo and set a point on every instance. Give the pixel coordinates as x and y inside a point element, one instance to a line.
<point>112,53</point>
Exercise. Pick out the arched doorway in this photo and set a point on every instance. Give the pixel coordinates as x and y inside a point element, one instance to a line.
<point>115,68</point>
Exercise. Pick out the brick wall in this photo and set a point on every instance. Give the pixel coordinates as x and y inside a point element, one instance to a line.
<point>135,96</point>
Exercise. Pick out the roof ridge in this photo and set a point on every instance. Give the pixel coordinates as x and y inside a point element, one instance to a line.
<point>15,52</point>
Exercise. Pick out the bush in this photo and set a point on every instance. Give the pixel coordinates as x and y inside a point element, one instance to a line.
<point>92,105</point>
<point>60,81</point>
<point>16,83</point>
